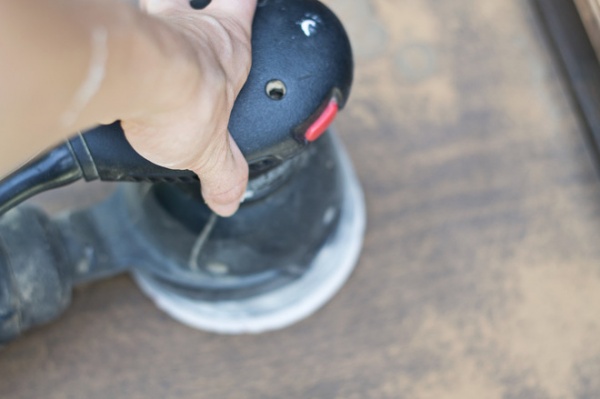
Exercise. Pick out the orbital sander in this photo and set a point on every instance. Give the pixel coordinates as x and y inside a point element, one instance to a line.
<point>289,248</point>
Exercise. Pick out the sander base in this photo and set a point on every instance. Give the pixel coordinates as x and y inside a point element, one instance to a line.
<point>286,305</point>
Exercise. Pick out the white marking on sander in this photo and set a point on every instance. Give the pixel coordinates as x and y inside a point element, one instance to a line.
<point>309,24</point>
<point>329,215</point>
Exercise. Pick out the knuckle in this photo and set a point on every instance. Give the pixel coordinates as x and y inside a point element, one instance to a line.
<point>213,157</point>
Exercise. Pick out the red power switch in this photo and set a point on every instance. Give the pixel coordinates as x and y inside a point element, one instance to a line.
<point>322,123</point>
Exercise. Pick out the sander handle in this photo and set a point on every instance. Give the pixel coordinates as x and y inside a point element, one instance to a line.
<point>302,71</point>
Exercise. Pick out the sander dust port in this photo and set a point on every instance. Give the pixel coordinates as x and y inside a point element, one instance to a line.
<point>291,246</point>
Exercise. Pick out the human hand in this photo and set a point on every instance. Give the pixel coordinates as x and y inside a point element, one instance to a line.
<point>190,129</point>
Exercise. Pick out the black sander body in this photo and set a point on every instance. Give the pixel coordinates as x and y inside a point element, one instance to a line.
<point>289,248</point>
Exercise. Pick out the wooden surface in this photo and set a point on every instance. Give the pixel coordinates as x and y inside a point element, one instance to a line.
<point>480,275</point>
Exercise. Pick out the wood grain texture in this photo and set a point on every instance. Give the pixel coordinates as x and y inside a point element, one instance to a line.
<point>480,275</point>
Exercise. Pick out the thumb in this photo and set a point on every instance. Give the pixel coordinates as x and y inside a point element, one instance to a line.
<point>224,179</point>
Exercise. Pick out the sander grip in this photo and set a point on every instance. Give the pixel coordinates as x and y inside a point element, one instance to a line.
<point>302,71</point>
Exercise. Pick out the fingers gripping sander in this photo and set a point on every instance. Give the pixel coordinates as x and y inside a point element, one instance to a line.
<point>288,249</point>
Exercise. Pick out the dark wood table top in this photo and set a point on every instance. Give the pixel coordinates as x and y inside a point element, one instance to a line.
<point>480,275</point>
